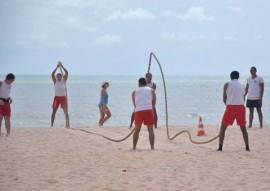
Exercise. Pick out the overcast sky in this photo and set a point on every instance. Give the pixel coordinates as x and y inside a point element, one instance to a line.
<point>117,36</point>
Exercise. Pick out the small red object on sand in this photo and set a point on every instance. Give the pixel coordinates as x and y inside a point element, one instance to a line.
<point>124,170</point>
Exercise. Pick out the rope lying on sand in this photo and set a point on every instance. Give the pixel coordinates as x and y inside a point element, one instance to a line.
<point>108,138</point>
<point>166,110</point>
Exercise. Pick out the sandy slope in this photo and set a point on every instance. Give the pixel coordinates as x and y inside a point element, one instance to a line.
<point>60,159</point>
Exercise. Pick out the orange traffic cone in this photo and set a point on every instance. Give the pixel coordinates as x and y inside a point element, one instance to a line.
<point>200,128</point>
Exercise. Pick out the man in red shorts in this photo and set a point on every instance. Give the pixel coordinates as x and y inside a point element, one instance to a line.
<point>234,99</point>
<point>60,92</point>
<point>5,101</point>
<point>144,100</point>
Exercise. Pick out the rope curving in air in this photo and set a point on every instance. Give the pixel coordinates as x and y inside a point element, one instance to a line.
<point>166,110</point>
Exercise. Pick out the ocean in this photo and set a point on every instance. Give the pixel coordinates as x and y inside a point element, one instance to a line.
<point>188,96</point>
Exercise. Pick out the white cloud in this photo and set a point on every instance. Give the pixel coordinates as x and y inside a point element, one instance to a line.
<point>234,9</point>
<point>140,14</point>
<point>77,24</point>
<point>131,14</point>
<point>194,13</point>
<point>260,37</point>
<point>114,16</point>
<point>169,13</point>
<point>108,40</point>
<point>43,39</point>
<point>67,3</point>
<point>172,36</point>
<point>257,37</point>
<point>231,38</point>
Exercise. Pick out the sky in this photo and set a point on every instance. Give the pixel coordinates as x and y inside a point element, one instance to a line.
<point>117,36</point>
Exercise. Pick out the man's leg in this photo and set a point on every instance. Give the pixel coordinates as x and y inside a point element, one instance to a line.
<point>151,136</point>
<point>53,116</point>
<point>102,115</point>
<point>245,136</point>
<point>7,124</point>
<point>251,113</point>
<point>66,116</point>
<point>1,118</point>
<point>136,135</point>
<point>155,117</point>
<point>108,115</point>
<point>260,115</point>
<point>221,136</point>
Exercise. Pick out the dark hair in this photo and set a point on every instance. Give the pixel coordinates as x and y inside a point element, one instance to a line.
<point>234,75</point>
<point>253,68</point>
<point>10,76</point>
<point>148,74</point>
<point>142,81</point>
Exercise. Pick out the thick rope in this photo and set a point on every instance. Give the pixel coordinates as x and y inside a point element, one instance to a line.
<point>166,105</point>
<point>166,110</point>
<point>105,137</point>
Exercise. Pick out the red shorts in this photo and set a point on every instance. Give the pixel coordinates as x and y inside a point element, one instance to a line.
<point>145,116</point>
<point>59,100</point>
<point>233,112</point>
<point>5,110</point>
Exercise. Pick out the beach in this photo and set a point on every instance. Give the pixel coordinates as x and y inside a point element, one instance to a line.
<point>55,159</point>
<point>188,96</point>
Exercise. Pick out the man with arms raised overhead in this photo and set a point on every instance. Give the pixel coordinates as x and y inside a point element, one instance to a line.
<point>60,97</point>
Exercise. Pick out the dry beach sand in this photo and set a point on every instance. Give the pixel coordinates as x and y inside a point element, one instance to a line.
<point>60,159</point>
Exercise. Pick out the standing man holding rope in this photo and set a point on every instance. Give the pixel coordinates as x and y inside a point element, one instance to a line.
<point>234,99</point>
<point>60,97</point>
<point>144,100</point>
<point>152,85</point>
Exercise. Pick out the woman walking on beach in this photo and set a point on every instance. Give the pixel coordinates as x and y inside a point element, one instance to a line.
<point>105,113</point>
